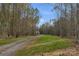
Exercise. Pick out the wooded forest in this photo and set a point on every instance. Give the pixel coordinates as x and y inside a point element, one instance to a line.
<point>22,19</point>
<point>67,22</point>
<point>18,19</point>
<point>20,33</point>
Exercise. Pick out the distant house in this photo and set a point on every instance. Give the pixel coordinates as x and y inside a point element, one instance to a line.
<point>37,32</point>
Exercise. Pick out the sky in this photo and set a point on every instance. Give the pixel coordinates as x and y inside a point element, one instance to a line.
<point>45,11</point>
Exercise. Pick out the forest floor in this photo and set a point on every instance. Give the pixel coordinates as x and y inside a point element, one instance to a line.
<point>71,51</point>
<point>48,45</point>
<point>41,45</point>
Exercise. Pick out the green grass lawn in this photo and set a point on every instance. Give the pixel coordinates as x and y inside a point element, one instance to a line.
<point>46,43</point>
<point>9,40</point>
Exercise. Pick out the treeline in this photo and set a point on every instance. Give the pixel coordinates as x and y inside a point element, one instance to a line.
<point>67,22</point>
<point>18,19</point>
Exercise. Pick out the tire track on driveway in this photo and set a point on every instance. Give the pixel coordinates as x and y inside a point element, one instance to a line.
<point>10,49</point>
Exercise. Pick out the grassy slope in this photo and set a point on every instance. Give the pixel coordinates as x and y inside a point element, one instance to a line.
<point>45,43</point>
<point>9,40</point>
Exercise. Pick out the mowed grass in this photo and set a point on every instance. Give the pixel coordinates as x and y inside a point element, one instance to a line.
<point>10,40</point>
<point>46,43</point>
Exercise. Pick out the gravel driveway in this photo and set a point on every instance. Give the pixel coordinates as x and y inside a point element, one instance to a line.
<point>10,49</point>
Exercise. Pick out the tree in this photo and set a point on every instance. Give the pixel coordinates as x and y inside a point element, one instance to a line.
<point>18,19</point>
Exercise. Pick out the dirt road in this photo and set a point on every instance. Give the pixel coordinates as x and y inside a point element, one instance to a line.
<point>10,49</point>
